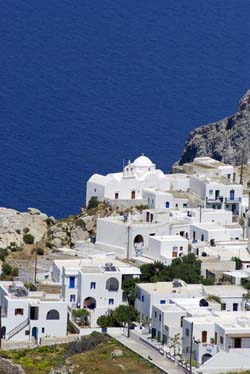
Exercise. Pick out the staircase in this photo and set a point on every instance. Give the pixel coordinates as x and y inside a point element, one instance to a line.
<point>17,329</point>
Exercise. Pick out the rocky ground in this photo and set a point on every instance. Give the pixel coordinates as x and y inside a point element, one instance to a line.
<point>227,140</point>
<point>21,231</point>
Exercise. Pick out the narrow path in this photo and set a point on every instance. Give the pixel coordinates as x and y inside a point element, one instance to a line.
<point>138,346</point>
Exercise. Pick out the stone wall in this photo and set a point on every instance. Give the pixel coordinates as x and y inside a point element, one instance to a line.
<point>7,367</point>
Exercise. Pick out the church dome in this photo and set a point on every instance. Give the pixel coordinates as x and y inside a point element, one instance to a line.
<point>142,161</point>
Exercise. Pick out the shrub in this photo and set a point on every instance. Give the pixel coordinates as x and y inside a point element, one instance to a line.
<point>26,230</point>
<point>28,239</point>
<point>3,253</point>
<point>93,202</point>
<point>6,269</point>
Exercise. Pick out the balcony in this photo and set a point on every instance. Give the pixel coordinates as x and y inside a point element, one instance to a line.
<point>214,200</point>
<point>233,200</point>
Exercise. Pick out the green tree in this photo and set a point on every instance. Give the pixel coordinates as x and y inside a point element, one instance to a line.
<point>128,286</point>
<point>93,202</point>
<point>83,315</point>
<point>125,315</point>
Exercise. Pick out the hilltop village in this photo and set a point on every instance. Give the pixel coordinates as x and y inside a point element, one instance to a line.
<point>159,260</point>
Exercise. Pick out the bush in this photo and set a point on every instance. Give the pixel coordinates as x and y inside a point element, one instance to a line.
<point>26,230</point>
<point>6,269</point>
<point>38,250</point>
<point>28,239</point>
<point>93,202</point>
<point>3,253</point>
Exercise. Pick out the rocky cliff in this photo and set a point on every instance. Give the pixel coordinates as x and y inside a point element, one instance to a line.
<point>223,140</point>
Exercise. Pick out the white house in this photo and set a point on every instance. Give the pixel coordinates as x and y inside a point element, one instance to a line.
<point>166,248</point>
<point>127,185</point>
<point>213,333</point>
<point>96,285</point>
<point>128,235</point>
<point>212,232</point>
<point>218,193</point>
<point>167,320</point>
<point>211,168</point>
<point>148,294</point>
<point>30,315</point>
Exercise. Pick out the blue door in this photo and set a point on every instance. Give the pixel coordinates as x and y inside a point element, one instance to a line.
<point>71,282</point>
<point>34,332</point>
<point>167,204</point>
<point>232,195</point>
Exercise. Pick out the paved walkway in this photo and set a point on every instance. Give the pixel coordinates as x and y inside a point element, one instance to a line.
<point>144,350</point>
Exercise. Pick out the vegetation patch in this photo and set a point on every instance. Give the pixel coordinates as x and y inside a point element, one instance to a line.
<point>93,353</point>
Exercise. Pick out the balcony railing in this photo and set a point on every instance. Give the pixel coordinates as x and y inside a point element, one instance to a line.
<point>234,200</point>
<point>214,200</point>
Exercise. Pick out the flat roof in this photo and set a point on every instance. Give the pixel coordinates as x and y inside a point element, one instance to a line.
<point>164,288</point>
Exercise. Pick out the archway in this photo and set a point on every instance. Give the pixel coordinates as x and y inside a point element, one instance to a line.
<point>138,243</point>
<point>203,302</point>
<point>34,332</point>
<point>112,284</point>
<point>53,314</point>
<point>89,303</point>
<point>3,332</point>
<point>206,357</point>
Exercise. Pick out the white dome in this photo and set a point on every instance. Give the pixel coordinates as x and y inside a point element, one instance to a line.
<point>142,161</point>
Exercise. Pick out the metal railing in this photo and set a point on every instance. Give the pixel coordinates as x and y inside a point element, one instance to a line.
<point>17,329</point>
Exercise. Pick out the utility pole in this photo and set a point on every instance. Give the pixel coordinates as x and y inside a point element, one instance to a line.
<point>191,347</point>
<point>0,326</point>
<point>35,263</point>
<point>242,163</point>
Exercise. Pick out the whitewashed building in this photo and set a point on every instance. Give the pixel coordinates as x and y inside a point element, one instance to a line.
<point>213,232</point>
<point>167,320</point>
<point>213,333</point>
<point>127,185</point>
<point>95,285</point>
<point>30,315</point>
<point>218,193</point>
<point>166,248</point>
<point>149,294</point>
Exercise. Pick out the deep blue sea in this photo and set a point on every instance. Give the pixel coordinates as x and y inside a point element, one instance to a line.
<point>86,84</point>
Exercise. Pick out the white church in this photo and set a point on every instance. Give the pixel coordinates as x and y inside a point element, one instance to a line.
<point>128,184</point>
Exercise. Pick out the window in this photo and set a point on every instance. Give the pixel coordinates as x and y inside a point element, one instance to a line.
<point>19,311</point>
<point>142,298</point>
<point>181,322</point>
<point>187,332</point>
<point>162,301</point>
<point>155,314</point>
<point>228,176</point>
<point>27,332</point>
<point>221,340</point>
<point>210,192</point>
<point>223,306</point>
<point>160,317</point>
<point>235,307</point>
<point>92,285</point>
<point>71,282</point>
<point>72,298</point>
<point>53,314</point>
<point>111,301</point>
<point>116,195</point>
<point>202,237</point>
<point>204,336</point>
<point>43,330</point>
<point>176,205</point>
<point>215,338</point>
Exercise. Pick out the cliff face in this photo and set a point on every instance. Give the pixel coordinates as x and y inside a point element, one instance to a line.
<point>223,140</point>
